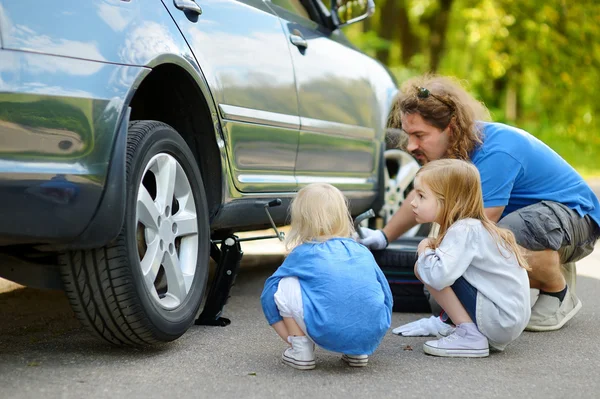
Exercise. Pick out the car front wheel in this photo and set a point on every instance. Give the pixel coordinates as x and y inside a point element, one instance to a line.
<point>146,287</point>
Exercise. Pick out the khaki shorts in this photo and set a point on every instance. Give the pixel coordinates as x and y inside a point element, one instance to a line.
<point>551,225</point>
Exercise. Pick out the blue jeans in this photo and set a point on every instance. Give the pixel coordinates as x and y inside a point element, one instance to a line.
<point>467,295</point>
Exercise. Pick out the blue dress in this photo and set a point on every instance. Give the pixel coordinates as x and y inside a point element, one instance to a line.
<point>346,298</point>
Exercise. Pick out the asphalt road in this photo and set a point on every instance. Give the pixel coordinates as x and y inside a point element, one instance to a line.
<point>45,353</point>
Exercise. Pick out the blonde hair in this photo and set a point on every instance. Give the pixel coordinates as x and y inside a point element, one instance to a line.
<point>448,105</point>
<point>319,212</point>
<point>457,186</point>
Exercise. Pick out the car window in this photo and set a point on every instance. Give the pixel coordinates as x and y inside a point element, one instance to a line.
<point>294,6</point>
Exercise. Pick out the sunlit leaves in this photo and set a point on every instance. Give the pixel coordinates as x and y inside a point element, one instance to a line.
<point>543,53</point>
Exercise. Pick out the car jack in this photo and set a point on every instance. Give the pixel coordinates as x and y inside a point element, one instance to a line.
<point>228,259</point>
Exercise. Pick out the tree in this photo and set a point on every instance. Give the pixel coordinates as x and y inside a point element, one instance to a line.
<point>534,63</point>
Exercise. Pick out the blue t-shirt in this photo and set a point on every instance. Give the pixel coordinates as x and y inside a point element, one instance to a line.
<point>518,170</point>
<point>346,298</point>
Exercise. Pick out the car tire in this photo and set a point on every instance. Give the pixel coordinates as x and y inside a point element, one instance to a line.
<point>399,173</point>
<point>397,262</point>
<point>146,286</point>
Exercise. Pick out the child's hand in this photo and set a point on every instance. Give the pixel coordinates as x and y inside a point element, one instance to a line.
<point>424,244</point>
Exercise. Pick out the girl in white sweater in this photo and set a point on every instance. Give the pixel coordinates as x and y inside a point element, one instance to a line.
<point>473,269</point>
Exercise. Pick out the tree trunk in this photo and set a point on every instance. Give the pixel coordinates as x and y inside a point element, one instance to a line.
<point>438,29</point>
<point>367,25</point>
<point>387,28</point>
<point>498,94</point>
<point>511,104</point>
<point>409,42</point>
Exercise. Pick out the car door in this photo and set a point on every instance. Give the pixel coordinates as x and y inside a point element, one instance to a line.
<point>337,108</point>
<point>243,53</point>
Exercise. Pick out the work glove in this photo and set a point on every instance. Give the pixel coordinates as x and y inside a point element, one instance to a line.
<point>373,239</point>
<point>424,327</point>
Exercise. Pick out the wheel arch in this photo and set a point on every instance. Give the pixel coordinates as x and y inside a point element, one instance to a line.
<point>176,93</point>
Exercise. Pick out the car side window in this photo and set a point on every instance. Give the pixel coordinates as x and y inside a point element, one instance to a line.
<point>294,6</point>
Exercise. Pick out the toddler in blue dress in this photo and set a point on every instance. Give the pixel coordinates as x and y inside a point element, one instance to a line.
<point>329,291</point>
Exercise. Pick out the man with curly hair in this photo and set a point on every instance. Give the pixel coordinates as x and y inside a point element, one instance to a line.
<point>527,188</point>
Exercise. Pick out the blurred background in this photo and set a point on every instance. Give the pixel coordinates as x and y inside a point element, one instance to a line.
<point>534,63</point>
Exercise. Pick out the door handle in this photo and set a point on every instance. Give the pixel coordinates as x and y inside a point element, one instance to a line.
<point>298,41</point>
<point>188,5</point>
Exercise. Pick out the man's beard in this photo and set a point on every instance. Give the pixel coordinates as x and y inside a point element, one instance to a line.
<point>419,157</point>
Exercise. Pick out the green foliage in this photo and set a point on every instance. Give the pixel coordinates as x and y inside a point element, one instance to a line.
<point>368,41</point>
<point>534,63</point>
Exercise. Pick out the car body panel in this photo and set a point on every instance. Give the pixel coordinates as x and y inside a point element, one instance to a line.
<point>340,120</point>
<point>69,70</point>
<point>58,119</point>
<point>241,48</point>
<point>114,31</point>
<point>61,86</point>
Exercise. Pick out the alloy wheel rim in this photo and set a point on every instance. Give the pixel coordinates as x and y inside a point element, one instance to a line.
<point>397,182</point>
<point>167,231</point>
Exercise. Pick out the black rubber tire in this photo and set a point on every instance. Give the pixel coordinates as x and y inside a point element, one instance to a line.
<point>105,286</point>
<point>380,221</point>
<point>397,263</point>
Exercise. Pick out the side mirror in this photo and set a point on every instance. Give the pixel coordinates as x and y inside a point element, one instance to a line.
<point>346,12</point>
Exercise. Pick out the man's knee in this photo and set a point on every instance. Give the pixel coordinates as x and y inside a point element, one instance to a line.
<point>552,226</point>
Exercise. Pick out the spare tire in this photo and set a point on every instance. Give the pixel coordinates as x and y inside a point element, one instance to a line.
<point>397,262</point>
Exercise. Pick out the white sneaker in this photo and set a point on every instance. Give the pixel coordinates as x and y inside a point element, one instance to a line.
<point>301,355</point>
<point>445,330</point>
<point>464,342</point>
<point>549,314</point>
<point>356,360</point>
